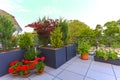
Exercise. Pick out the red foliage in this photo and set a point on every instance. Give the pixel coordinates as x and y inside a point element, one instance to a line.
<point>44,29</point>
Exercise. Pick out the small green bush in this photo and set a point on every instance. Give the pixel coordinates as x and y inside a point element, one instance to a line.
<point>56,38</point>
<point>105,54</point>
<point>31,54</point>
<point>83,47</point>
<point>26,40</point>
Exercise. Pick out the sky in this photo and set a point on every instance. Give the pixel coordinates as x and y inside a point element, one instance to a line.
<point>91,12</point>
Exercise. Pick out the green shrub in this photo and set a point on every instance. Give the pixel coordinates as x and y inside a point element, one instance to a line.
<point>64,29</point>
<point>56,38</point>
<point>25,40</point>
<point>113,55</point>
<point>6,30</point>
<point>105,54</point>
<point>31,54</point>
<point>83,46</point>
<point>40,66</point>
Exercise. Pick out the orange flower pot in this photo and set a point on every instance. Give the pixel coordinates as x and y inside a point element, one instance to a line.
<point>84,56</point>
<point>40,72</point>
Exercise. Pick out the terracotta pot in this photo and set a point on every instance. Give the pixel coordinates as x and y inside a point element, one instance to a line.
<point>40,72</point>
<point>15,73</point>
<point>84,56</point>
<point>25,75</point>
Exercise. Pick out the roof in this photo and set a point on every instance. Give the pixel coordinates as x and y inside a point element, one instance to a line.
<point>2,12</point>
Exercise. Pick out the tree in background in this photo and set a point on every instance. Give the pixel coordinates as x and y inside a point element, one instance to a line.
<point>6,30</point>
<point>74,29</point>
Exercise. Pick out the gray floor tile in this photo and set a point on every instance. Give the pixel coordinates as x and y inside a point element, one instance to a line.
<point>44,76</point>
<point>102,67</point>
<point>66,75</point>
<point>83,61</point>
<point>10,77</point>
<point>99,76</point>
<point>53,71</point>
<point>64,66</point>
<point>116,70</point>
<point>118,78</point>
<point>78,67</point>
<point>87,78</point>
<point>57,78</point>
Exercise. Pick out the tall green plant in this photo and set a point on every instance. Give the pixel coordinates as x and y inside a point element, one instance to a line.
<point>56,38</point>
<point>26,40</point>
<point>6,30</point>
<point>64,29</point>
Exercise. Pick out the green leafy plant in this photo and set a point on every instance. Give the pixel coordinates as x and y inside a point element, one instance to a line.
<point>31,54</point>
<point>64,29</point>
<point>99,53</point>
<point>113,55</point>
<point>40,66</point>
<point>56,38</point>
<point>25,40</point>
<point>83,47</point>
<point>105,54</point>
<point>6,30</point>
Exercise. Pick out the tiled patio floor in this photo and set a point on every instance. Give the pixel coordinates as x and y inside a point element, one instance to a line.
<point>75,69</point>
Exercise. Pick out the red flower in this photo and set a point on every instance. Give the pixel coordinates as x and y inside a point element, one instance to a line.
<point>11,70</point>
<point>25,61</point>
<point>13,63</point>
<point>18,68</point>
<point>35,62</point>
<point>31,66</point>
<point>37,58</point>
<point>24,67</point>
<point>42,58</point>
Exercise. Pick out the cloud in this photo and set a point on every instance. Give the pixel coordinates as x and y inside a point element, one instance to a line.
<point>49,11</point>
<point>9,5</point>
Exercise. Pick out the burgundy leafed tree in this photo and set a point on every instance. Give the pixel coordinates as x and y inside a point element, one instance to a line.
<point>44,27</point>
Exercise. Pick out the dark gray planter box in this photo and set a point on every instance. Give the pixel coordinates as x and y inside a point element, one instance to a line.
<point>115,62</point>
<point>54,57</point>
<point>70,51</point>
<point>7,57</point>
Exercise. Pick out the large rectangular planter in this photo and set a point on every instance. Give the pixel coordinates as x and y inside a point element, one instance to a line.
<point>54,57</point>
<point>70,51</point>
<point>115,62</point>
<point>7,57</point>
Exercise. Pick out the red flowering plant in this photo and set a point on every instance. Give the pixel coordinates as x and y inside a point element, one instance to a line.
<point>39,67</point>
<point>44,26</point>
<point>15,67</point>
<point>25,70</point>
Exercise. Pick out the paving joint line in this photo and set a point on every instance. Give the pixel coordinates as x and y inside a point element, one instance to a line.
<point>88,69</point>
<point>114,72</point>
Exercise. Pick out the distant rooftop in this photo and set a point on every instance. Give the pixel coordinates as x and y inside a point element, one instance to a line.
<point>2,12</point>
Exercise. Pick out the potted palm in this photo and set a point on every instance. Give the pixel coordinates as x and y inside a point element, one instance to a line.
<point>83,49</point>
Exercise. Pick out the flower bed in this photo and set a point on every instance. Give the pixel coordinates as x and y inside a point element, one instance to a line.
<point>107,56</point>
<point>115,62</point>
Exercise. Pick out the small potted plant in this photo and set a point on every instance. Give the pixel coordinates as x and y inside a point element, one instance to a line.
<point>39,67</point>
<point>30,56</point>
<point>15,67</point>
<point>24,71</point>
<point>83,49</point>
